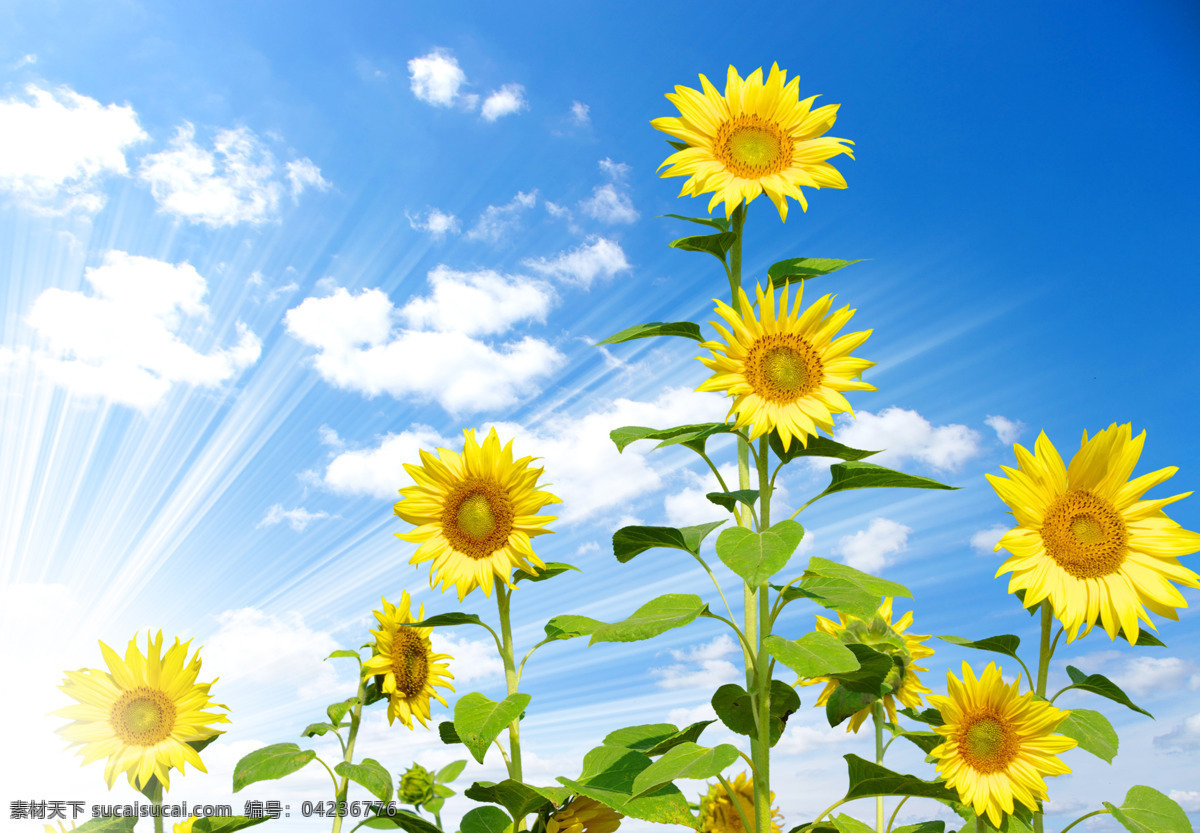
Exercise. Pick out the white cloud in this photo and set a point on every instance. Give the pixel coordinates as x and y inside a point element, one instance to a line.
<point>609,205</point>
<point>471,660</point>
<point>598,257</point>
<point>477,303</point>
<point>580,113</point>
<point>253,647</point>
<point>122,342</point>
<point>357,350</point>
<point>24,60</point>
<point>1006,429</point>
<point>1183,738</point>
<point>614,170</point>
<point>509,99</point>
<point>498,220</point>
<point>297,518</point>
<point>330,437</point>
<point>435,222</point>
<point>867,549</point>
<point>57,146</point>
<point>1189,800</point>
<point>1143,675</point>
<point>984,541</point>
<point>379,471</point>
<point>701,667</point>
<point>302,173</point>
<point>234,182</point>
<point>903,434</point>
<point>436,77</point>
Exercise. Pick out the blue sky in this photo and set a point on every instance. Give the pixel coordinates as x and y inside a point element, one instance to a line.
<point>208,217</point>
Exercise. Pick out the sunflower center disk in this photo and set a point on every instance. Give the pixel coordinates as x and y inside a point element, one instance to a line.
<point>475,516</point>
<point>410,662</point>
<point>1085,535</point>
<point>783,368</point>
<point>987,745</point>
<point>478,518</point>
<point>751,147</point>
<point>143,716</point>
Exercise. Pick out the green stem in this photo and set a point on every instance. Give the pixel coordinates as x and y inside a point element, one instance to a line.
<point>980,825</point>
<point>1044,654</point>
<point>156,799</point>
<point>503,602</point>
<point>1085,816</point>
<point>733,799</point>
<point>877,715</point>
<point>355,721</point>
<point>895,813</point>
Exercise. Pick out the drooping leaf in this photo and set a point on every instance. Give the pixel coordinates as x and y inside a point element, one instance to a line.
<point>634,540</point>
<point>337,711</point>
<point>931,717</point>
<point>1092,731</point>
<point>442,620</point>
<point>569,626</point>
<point>835,594</point>
<point>1005,643</point>
<point>1144,639</point>
<point>870,779</point>
<point>683,329</point>
<point>719,223</point>
<point>756,556</point>
<point>869,677</point>
<point>485,819</point>
<point>815,654</point>
<point>693,436</point>
<point>314,729</point>
<point>552,569</point>
<point>686,760</point>
<point>859,475</point>
<point>518,798</point>
<point>730,500</point>
<point>478,720</point>
<point>801,268</point>
<point>1099,684</point>
<point>717,245</point>
<point>447,734</point>
<point>656,616</point>
<point>1146,810</point>
<point>608,776</point>
<point>817,447</point>
<point>369,774</point>
<point>270,762</point>
<point>843,703</point>
<point>874,585</point>
<point>687,733</point>
<point>925,741</point>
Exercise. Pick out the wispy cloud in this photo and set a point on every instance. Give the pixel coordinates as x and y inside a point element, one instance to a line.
<point>435,222</point>
<point>597,257</point>
<point>505,101</point>
<point>297,518</point>
<point>1007,430</point>
<point>499,220</point>
<point>904,434</point>
<point>580,114</point>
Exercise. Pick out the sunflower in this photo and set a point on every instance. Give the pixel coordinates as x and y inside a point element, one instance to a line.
<point>887,637</point>
<point>998,742</point>
<point>1086,540</point>
<point>757,138</point>
<point>718,815</point>
<point>142,714</point>
<point>474,514</point>
<point>584,815</point>
<point>405,658</point>
<point>784,370</point>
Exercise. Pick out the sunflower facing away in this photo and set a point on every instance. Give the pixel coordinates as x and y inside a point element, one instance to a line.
<point>474,514</point>
<point>887,637</point>
<point>1087,541</point>
<point>718,814</point>
<point>998,743</point>
<point>757,138</point>
<point>584,815</point>
<point>405,658</point>
<point>142,713</point>
<point>784,369</point>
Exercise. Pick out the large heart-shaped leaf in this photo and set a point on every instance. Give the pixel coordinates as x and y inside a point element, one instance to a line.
<point>479,720</point>
<point>756,556</point>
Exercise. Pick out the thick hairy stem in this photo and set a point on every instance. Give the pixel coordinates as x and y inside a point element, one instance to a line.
<point>503,600</point>
<point>877,715</point>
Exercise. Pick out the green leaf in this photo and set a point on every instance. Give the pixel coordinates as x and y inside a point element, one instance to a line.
<point>633,540</point>
<point>1093,732</point>
<point>925,741</point>
<point>518,798</point>
<point>369,774</point>
<point>931,717</point>
<point>678,146</point>
<point>1145,639</point>
<point>834,593</point>
<point>1005,643</point>
<point>447,734</point>
<point>608,776</point>
<point>684,735</point>
<point>756,556</point>
<point>450,771</point>
<point>1099,684</point>
<point>314,729</point>
<point>815,654</point>
<point>687,760</point>
<point>552,569</point>
<point>108,824</point>
<point>843,703</point>
<point>734,707</point>
<point>223,824</point>
<point>641,738</point>
<point>817,447</point>
<point>656,616</point>
<point>858,475</point>
<point>869,677</point>
<point>719,223</point>
<point>344,653</point>
<point>270,762</point>
<point>801,268</point>
<point>569,626</point>
<point>730,500</point>
<point>440,791</point>
<point>337,711</point>
<point>868,583</point>
<point>445,620</point>
<point>683,329</point>
<point>868,779</point>
<point>922,827</point>
<point>847,824</point>
<point>717,245</point>
<point>485,820</point>
<point>403,819</point>
<point>478,720</point>
<point>1146,810</point>
<point>693,436</point>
